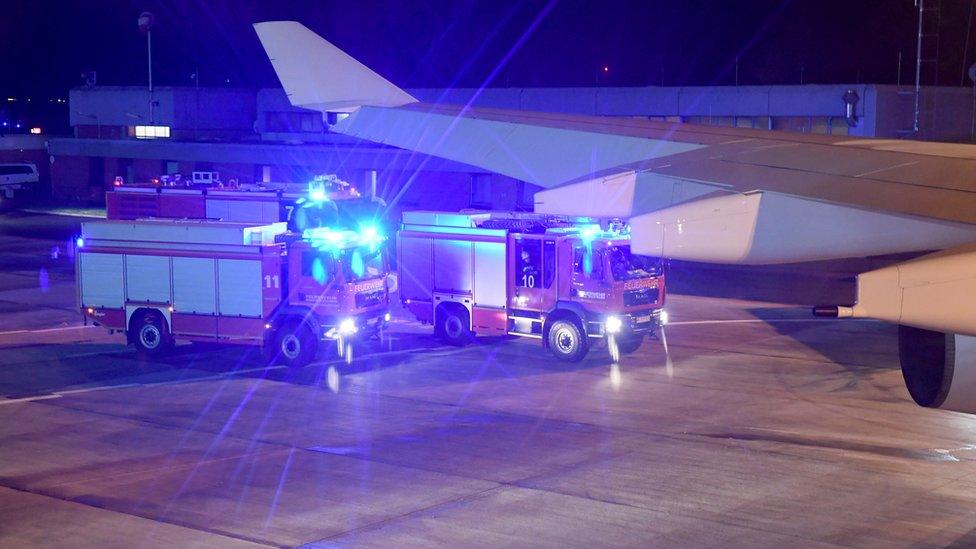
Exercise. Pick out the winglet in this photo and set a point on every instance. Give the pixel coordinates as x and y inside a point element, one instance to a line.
<point>319,76</point>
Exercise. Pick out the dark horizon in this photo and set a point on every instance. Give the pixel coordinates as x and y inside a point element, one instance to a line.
<point>445,44</point>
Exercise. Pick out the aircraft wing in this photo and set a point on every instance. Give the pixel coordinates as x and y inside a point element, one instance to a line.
<point>712,194</point>
<point>724,195</point>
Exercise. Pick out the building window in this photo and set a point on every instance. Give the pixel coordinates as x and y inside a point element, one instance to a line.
<point>149,132</point>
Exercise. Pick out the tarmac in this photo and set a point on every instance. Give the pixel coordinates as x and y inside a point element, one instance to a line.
<point>748,423</point>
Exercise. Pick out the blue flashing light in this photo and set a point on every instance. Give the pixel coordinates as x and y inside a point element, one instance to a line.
<point>356,264</point>
<point>334,239</point>
<point>316,192</point>
<point>79,242</point>
<point>318,271</point>
<point>589,233</point>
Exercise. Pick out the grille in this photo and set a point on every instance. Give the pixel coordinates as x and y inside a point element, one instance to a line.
<point>643,296</point>
<point>368,299</point>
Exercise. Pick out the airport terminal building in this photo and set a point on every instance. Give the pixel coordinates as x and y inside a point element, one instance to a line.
<point>256,136</point>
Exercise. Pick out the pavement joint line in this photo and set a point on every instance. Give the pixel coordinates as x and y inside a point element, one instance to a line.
<point>48,330</point>
<point>226,375</point>
<point>29,399</point>
<point>372,526</point>
<point>93,389</point>
<point>764,321</point>
<point>155,519</point>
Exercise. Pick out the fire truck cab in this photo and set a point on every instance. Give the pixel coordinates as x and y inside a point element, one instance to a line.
<point>566,281</point>
<point>159,280</point>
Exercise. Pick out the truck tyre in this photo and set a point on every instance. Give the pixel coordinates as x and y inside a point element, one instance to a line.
<point>567,341</point>
<point>629,343</point>
<point>149,334</point>
<point>294,345</point>
<point>452,325</point>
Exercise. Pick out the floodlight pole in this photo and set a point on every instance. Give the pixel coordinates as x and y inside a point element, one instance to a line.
<point>152,118</point>
<point>145,23</point>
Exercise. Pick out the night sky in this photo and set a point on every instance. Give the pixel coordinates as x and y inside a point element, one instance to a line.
<point>47,44</point>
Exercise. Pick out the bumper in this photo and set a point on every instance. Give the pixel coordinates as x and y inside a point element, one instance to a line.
<point>352,327</point>
<point>640,322</point>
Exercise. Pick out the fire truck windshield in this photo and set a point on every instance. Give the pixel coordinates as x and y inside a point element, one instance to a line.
<point>362,263</point>
<point>627,266</point>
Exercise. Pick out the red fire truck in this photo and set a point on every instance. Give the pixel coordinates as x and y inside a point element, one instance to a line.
<point>246,203</point>
<point>159,280</point>
<point>566,281</point>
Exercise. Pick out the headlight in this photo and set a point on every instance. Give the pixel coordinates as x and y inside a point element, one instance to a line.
<point>347,326</point>
<point>386,317</point>
<point>613,324</point>
<point>663,317</point>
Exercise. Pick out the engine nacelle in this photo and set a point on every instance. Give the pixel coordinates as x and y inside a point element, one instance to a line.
<point>939,368</point>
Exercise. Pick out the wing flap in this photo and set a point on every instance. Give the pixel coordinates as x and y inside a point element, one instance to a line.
<point>768,227</point>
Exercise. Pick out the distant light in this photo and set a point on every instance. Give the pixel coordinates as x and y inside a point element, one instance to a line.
<point>35,130</point>
<point>79,242</point>
<point>151,132</point>
<point>606,68</point>
<point>17,125</point>
<point>11,99</point>
<point>386,317</point>
<point>4,124</point>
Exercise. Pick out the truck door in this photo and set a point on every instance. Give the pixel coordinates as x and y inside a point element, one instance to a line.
<point>533,273</point>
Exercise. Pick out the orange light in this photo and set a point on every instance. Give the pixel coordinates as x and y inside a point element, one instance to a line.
<point>35,131</point>
<point>171,308</point>
<point>267,326</point>
<point>91,311</point>
<point>606,68</point>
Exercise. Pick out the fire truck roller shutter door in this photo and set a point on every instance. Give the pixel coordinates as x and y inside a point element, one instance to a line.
<point>147,279</point>
<point>414,261</point>
<point>239,287</point>
<point>453,259</point>
<point>194,285</point>
<point>101,280</point>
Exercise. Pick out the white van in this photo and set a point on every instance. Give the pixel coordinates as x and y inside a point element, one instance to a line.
<point>17,176</point>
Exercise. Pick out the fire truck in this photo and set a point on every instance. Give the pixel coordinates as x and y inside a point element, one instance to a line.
<point>566,281</point>
<point>264,203</point>
<point>161,280</point>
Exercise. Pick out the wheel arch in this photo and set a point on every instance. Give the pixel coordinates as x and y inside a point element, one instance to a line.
<point>133,312</point>
<point>564,310</point>
<point>452,305</point>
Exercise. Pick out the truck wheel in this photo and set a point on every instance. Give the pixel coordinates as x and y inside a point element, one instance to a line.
<point>567,341</point>
<point>452,326</point>
<point>629,343</point>
<point>150,334</point>
<point>294,345</point>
